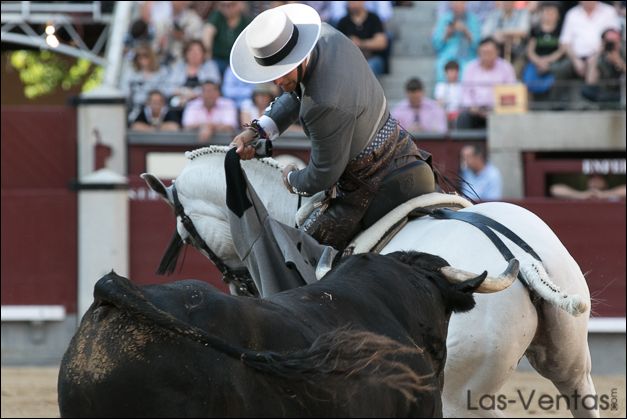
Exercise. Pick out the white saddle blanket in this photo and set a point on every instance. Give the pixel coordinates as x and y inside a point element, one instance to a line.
<point>374,238</point>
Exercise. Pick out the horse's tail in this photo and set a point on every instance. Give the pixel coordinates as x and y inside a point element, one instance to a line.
<point>532,271</point>
<point>538,280</point>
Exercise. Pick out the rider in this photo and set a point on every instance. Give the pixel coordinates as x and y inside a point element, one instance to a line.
<point>328,85</point>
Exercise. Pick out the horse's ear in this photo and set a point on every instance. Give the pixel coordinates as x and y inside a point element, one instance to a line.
<point>156,185</point>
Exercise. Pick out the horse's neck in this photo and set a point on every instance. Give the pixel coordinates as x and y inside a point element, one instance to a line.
<point>267,183</point>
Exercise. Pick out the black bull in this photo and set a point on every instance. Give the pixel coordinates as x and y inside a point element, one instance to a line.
<point>367,340</point>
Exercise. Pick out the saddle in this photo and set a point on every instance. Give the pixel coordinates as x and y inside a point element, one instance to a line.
<point>405,192</point>
<point>375,237</point>
<point>399,186</point>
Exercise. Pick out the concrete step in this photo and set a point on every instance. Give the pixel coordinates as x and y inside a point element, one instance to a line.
<point>412,28</point>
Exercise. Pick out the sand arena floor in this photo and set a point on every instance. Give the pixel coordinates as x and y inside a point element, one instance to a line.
<point>32,392</point>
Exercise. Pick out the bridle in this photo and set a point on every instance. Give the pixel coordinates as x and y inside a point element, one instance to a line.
<point>240,276</point>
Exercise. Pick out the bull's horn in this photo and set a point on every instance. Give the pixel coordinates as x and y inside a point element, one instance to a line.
<point>490,284</point>
<point>326,262</point>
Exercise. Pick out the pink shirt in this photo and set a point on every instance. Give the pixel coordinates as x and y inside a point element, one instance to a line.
<point>429,117</point>
<point>478,83</point>
<point>223,112</point>
<point>582,32</point>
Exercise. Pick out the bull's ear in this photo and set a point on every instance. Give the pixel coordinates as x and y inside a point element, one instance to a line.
<point>156,185</point>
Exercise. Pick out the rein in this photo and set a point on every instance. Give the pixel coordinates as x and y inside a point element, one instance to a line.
<point>240,277</point>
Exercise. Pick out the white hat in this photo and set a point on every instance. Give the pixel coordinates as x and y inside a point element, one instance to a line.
<point>275,43</point>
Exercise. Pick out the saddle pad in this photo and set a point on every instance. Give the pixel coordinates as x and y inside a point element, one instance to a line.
<point>371,238</point>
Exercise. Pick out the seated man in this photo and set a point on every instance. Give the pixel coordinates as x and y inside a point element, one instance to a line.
<point>210,113</point>
<point>156,116</point>
<point>480,178</point>
<point>418,113</point>
<point>478,81</point>
<point>366,31</point>
<point>610,68</point>
<point>597,188</point>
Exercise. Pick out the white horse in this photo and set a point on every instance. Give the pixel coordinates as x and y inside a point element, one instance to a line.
<point>484,345</point>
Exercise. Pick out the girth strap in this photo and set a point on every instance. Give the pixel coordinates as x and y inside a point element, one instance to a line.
<point>486,225</point>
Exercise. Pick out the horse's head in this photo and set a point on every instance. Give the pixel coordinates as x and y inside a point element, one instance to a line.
<point>201,192</point>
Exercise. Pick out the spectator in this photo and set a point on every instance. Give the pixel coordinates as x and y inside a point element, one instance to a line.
<point>455,37</point>
<point>418,113</point>
<point>184,26</point>
<point>339,9</point>
<point>235,89</point>
<point>610,69</point>
<point>158,16</point>
<point>143,76</point>
<point>139,33</point>
<point>480,178</point>
<point>581,36</point>
<point>478,81</point>
<point>449,93</point>
<point>156,116</point>
<point>597,188</point>
<point>383,9</point>
<point>210,113</point>
<point>325,8</point>
<point>224,26</point>
<point>186,76</point>
<point>546,57</point>
<point>481,9</point>
<point>365,29</point>
<point>253,108</point>
<point>509,27</point>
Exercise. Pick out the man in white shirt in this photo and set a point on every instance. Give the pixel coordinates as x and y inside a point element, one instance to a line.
<point>581,36</point>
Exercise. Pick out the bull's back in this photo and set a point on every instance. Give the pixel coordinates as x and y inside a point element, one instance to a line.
<point>118,367</point>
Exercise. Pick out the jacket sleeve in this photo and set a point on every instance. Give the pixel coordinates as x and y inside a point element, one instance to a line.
<point>283,112</point>
<point>331,131</point>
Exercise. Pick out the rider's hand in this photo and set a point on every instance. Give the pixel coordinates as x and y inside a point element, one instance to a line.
<point>289,168</point>
<point>243,142</point>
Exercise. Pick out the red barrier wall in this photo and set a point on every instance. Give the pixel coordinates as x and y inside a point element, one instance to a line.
<point>39,245</point>
<point>39,237</point>
<point>594,234</point>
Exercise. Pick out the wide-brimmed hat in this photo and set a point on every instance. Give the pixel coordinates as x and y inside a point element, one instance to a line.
<point>275,43</point>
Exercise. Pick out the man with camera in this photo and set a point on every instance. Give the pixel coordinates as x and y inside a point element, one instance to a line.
<point>610,68</point>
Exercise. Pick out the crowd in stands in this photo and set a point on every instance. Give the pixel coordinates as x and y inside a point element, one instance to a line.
<point>177,74</point>
<point>553,47</point>
<point>177,54</point>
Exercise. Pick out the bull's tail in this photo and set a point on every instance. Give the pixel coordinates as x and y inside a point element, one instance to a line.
<point>345,353</point>
<point>538,280</point>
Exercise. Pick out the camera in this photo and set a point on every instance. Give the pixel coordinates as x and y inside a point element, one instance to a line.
<point>610,46</point>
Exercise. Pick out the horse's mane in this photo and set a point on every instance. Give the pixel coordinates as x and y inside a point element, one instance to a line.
<point>214,149</point>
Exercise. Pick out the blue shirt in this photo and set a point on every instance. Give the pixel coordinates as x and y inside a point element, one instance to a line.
<point>487,184</point>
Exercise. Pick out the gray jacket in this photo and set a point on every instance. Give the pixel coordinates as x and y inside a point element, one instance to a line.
<point>341,109</point>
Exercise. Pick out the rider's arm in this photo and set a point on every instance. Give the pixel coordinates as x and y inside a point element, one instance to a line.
<point>281,113</point>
